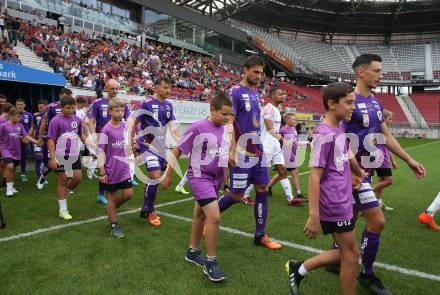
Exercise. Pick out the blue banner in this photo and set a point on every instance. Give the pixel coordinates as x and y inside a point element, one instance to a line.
<point>17,73</point>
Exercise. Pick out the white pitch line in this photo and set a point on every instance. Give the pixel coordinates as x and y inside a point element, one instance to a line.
<point>56,227</point>
<point>423,144</point>
<point>390,267</point>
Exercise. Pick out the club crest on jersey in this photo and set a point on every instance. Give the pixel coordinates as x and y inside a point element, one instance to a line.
<point>168,115</point>
<point>74,125</point>
<point>18,128</point>
<point>379,115</point>
<point>26,120</point>
<point>366,120</point>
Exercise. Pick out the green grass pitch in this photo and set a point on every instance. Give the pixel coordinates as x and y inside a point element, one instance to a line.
<point>85,259</point>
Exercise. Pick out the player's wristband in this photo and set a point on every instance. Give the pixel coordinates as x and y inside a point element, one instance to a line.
<point>100,175</point>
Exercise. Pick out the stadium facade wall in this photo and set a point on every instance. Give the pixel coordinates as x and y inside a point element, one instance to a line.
<point>185,14</point>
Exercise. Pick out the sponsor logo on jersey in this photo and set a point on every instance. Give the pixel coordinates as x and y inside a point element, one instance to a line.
<point>366,120</point>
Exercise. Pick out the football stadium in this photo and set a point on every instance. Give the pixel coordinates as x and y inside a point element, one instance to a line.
<point>142,142</point>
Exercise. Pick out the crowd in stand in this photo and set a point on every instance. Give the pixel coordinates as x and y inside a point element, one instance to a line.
<point>88,61</point>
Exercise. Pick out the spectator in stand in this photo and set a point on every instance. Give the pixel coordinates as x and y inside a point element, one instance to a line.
<point>61,22</point>
<point>13,58</point>
<point>15,26</point>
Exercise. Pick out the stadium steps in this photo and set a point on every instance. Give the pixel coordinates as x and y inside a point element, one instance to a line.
<point>428,62</point>
<point>391,103</point>
<point>349,53</point>
<point>409,114</point>
<point>413,114</point>
<point>30,59</point>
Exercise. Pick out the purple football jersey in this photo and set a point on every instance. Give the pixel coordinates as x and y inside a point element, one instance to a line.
<point>52,110</point>
<point>10,140</point>
<point>367,118</point>
<point>208,146</point>
<point>330,152</point>
<point>154,117</point>
<point>99,111</point>
<point>290,135</point>
<point>116,161</point>
<point>65,132</point>
<point>386,163</point>
<point>246,105</point>
<point>37,123</point>
<point>26,120</point>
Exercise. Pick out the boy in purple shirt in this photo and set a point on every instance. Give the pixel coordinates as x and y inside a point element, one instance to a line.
<point>64,141</point>
<point>38,150</point>
<point>207,142</point>
<point>155,115</point>
<point>368,124</point>
<point>113,162</point>
<point>98,117</point>
<point>385,172</point>
<point>52,110</point>
<point>6,107</point>
<point>12,135</point>
<point>289,144</point>
<point>248,150</point>
<point>330,192</point>
<point>26,120</point>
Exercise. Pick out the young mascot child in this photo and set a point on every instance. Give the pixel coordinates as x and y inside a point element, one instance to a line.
<point>64,141</point>
<point>207,142</point>
<point>330,192</point>
<point>12,139</point>
<point>114,170</point>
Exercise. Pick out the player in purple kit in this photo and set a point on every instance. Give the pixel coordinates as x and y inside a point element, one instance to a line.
<point>26,120</point>
<point>64,141</point>
<point>154,115</point>
<point>12,135</point>
<point>247,148</point>
<point>208,142</point>
<point>52,110</point>
<point>330,192</point>
<point>113,162</point>
<point>38,150</point>
<point>368,125</point>
<point>98,117</point>
<point>289,148</point>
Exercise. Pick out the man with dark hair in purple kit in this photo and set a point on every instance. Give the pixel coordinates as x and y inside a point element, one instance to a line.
<point>368,124</point>
<point>26,120</point>
<point>156,115</point>
<point>247,147</point>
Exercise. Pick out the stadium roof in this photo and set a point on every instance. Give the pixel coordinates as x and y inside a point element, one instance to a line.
<point>328,16</point>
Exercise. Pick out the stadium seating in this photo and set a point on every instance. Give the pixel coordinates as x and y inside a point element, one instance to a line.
<point>390,102</point>
<point>399,60</point>
<point>429,105</point>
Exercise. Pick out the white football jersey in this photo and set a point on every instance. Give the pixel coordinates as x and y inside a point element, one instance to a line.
<point>273,113</point>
